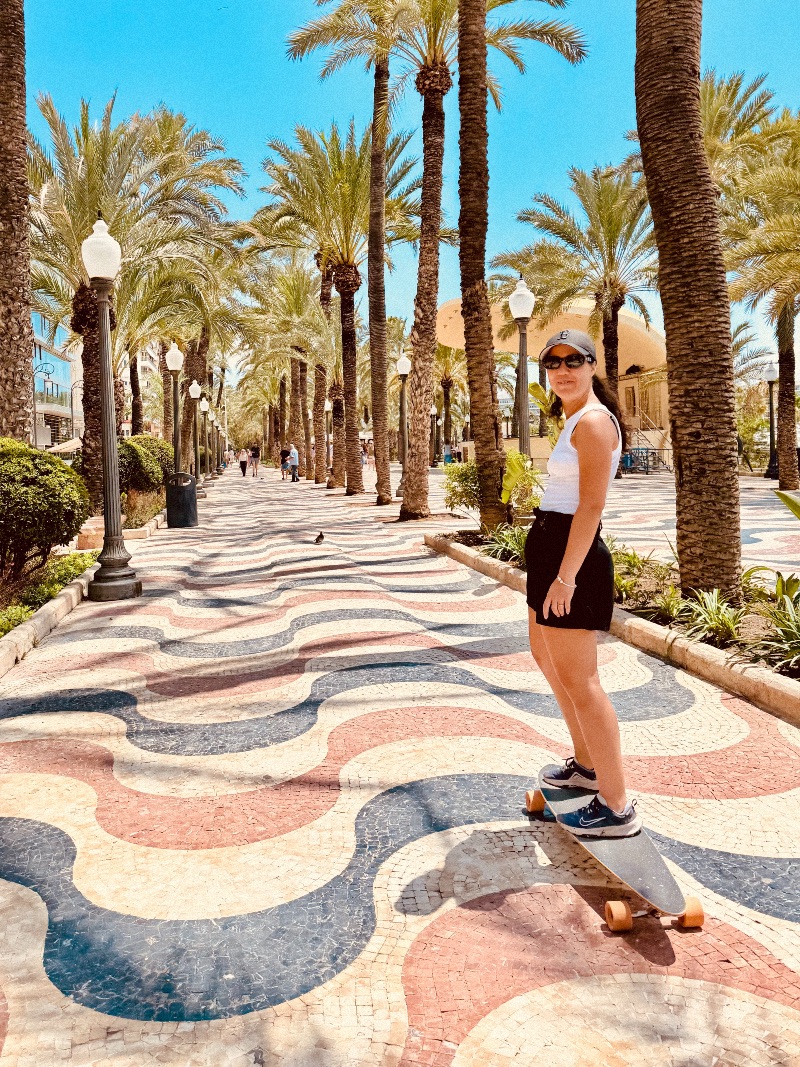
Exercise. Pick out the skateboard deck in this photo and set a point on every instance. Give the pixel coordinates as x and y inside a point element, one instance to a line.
<point>633,860</point>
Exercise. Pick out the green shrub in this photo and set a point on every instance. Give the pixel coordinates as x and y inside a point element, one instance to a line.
<point>667,607</point>
<point>43,503</point>
<point>13,616</point>
<point>56,574</point>
<point>526,494</point>
<point>138,469</point>
<point>780,648</point>
<point>161,451</point>
<point>461,486</point>
<point>507,543</point>
<point>712,619</point>
<point>140,508</point>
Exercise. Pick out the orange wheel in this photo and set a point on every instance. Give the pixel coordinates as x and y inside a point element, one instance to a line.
<point>534,801</point>
<point>618,915</point>
<point>694,916</point>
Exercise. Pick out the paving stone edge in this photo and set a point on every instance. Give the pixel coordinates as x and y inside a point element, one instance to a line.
<point>774,693</point>
<point>16,644</point>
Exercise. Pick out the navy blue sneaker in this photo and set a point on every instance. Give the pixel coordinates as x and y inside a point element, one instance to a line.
<point>596,819</point>
<point>570,776</point>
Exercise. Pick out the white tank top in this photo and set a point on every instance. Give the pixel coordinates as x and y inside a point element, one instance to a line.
<point>562,490</point>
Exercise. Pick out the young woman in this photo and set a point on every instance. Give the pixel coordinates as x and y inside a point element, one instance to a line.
<point>255,456</point>
<point>571,584</point>
<point>243,461</point>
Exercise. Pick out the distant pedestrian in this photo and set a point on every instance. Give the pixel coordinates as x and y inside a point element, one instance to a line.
<point>284,463</point>
<point>255,456</point>
<point>294,462</point>
<point>243,457</point>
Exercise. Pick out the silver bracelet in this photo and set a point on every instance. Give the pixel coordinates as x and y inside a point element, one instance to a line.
<point>560,579</point>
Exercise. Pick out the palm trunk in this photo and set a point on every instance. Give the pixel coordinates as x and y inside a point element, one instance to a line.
<point>16,333</point>
<point>296,436</point>
<point>85,323</point>
<point>376,281</point>
<point>611,344</point>
<point>320,459</point>
<point>473,188</point>
<point>166,389</point>
<point>275,454</point>
<point>309,465</point>
<point>694,293</point>
<point>137,407</point>
<point>338,466</point>
<point>269,446</point>
<point>220,386</point>
<point>282,437</point>
<point>447,425</point>
<point>347,279</point>
<point>433,83</point>
<point>194,370</point>
<point>787,412</point>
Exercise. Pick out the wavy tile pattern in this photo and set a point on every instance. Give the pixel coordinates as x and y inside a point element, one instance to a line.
<point>359,720</point>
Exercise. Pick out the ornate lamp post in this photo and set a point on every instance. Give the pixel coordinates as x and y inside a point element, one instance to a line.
<point>403,369</point>
<point>438,437</point>
<point>212,448</point>
<point>220,465</point>
<point>771,378</point>
<point>114,580</point>
<point>181,488</point>
<point>521,304</point>
<point>206,462</point>
<point>328,431</point>
<point>195,392</point>
<point>433,435</point>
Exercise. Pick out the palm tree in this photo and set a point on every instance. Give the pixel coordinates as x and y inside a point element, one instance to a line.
<point>161,205</point>
<point>428,44</point>
<point>16,333</point>
<point>694,295</point>
<point>767,262</point>
<point>321,199</point>
<point>473,189</point>
<point>750,359</point>
<point>366,29</point>
<point>450,373</point>
<point>608,255</point>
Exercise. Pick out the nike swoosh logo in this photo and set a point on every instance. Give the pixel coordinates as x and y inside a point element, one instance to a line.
<point>589,822</point>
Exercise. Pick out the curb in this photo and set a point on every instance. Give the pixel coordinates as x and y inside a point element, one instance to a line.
<point>774,693</point>
<point>149,528</point>
<point>16,644</point>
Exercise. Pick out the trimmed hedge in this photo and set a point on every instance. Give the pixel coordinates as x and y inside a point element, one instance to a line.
<point>43,503</point>
<point>161,451</point>
<point>138,468</point>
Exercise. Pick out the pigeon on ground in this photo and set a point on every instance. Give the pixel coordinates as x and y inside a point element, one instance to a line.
<point>319,538</point>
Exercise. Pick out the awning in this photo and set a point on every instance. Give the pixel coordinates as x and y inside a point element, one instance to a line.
<point>73,445</point>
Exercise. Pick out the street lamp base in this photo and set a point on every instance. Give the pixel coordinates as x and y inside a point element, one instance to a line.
<point>200,492</point>
<point>772,467</point>
<point>114,587</point>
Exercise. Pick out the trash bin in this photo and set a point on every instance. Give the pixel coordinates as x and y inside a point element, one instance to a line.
<point>181,501</point>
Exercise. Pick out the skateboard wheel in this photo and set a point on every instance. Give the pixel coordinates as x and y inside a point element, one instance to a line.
<point>618,915</point>
<point>534,801</point>
<point>694,916</point>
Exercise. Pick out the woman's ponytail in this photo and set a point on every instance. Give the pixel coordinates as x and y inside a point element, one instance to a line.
<point>608,396</point>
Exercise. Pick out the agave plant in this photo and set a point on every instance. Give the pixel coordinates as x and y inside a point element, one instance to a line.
<point>507,543</point>
<point>667,607</point>
<point>781,647</point>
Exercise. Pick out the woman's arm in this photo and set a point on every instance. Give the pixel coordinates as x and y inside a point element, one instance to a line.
<point>594,439</point>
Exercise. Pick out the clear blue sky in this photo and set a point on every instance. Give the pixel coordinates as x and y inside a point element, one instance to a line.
<point>223,63</point>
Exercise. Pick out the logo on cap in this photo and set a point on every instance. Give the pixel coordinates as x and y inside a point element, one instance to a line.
<point>564,333</point>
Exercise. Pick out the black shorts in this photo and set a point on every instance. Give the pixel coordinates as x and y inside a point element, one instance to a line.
<point>593,599</point>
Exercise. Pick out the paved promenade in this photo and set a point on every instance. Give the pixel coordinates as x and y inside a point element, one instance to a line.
<point>271,814</point>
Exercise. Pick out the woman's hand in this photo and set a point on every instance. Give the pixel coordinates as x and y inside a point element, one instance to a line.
<point>558,599</point>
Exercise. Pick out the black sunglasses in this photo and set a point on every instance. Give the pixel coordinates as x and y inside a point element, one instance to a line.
<point>575,359</point>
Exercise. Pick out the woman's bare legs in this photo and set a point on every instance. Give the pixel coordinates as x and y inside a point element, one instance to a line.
<point>545,665</point>
<point>573,657</point>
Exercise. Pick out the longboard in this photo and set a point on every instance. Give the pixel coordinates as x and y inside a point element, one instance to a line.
<point>633,860</point>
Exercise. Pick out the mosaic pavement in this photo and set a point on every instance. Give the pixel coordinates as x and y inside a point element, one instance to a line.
<point>641,513</point>
<point>271,813</point>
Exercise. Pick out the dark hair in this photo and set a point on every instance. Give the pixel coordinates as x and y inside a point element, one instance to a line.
<point>606,395</point>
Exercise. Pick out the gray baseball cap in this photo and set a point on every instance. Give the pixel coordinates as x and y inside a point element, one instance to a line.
<point>576,339</point>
